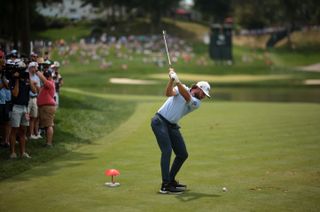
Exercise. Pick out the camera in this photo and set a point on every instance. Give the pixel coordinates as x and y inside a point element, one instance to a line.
<point>12,67</point>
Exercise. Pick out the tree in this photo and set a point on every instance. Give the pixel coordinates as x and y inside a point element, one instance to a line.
<point>216,10</point>
<point>290,14</point>
<point>156,9</point>
<point>111,6</point>
<point>16,27</point>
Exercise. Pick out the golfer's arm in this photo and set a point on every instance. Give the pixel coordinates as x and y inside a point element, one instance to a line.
<point>184,92</point>
<point>169,89</point>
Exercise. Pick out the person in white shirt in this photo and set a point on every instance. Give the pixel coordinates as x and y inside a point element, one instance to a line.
<point>32,106</point>
<point>181,101</point>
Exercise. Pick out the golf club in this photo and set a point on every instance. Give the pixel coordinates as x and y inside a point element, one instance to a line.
<point>166,45</point>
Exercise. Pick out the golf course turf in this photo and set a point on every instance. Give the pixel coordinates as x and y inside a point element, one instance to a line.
<point>265,154</point>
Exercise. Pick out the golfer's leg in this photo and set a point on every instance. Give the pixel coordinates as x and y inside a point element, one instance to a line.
<point>179,148</point>
<point>160,130</point>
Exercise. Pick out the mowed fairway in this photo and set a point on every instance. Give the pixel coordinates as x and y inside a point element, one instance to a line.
<point>266,154</point>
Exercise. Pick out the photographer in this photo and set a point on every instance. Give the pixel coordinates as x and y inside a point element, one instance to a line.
<point>21,84</point>
<point>47,105</point>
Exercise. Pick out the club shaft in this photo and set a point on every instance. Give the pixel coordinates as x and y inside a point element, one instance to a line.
<point>166,45</point>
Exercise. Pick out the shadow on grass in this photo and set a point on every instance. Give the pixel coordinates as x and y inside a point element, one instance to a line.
<point>65,143</point>
<point>72,103</point>
<point>190,196</point>
<point>73,159</point>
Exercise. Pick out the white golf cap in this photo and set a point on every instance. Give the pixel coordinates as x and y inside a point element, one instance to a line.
<point>33,64</point>
<point>205,87</point>
<point>56,64</point>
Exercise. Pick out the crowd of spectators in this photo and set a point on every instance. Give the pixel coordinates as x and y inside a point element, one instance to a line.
<point>29,88</point>
<point>144,49</point>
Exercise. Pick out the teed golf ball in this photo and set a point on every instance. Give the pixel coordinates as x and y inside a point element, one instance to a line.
<point>224,189</point>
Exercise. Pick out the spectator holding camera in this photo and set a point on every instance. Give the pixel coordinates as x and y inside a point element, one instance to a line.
<point>58,80</point>
<point>32,106</point>
<point>47,105</point>
<point>21,85</point>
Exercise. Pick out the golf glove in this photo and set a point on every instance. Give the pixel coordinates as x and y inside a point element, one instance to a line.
<point>173,76</point>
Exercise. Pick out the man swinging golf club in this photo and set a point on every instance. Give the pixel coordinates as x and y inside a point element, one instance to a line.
<point>181,101</point>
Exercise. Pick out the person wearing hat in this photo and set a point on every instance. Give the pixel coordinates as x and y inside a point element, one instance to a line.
<point>58,80</point>
<point>13,54</point>
<point>181,101</point>
<point>47,105</point>
<point>32,106</point>
<point>20,89</point>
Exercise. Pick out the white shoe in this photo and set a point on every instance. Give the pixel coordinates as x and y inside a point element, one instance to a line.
<point>39,136</point>
<point>13,156</point>
<point>25,155</point>
<point>34,137</point>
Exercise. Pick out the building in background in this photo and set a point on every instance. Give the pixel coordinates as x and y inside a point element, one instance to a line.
<point>71,9</point>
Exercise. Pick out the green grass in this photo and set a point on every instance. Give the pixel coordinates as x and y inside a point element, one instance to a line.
<point>79,120</point>
<point>294,58</point>
<point>266,154</point>
<point>70,33</point>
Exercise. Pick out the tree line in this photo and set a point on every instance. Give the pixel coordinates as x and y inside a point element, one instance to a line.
<point>17,16</point>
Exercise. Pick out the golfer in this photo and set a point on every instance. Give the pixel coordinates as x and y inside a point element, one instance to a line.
<point>182,100</point>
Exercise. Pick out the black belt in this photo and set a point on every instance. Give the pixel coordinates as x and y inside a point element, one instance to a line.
<point>32,97</point>
<point>166,121</point>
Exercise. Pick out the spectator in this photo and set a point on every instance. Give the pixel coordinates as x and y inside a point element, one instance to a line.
<point>2,111</point>
<point>46,56</point>
<point>32,106</point>
<point>47,105</point>
<point>20,89</point>
<point>33,57</point>
<point>58,80</point>
<point>4,102</point>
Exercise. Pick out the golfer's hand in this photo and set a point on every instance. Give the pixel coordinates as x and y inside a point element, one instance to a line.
<point>173,76</point>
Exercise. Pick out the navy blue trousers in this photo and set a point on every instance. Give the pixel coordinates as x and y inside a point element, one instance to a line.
<point>169,138</point>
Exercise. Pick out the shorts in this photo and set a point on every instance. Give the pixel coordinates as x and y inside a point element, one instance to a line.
<point>33,107</point>
<point>46,115</point>
<point>19,116</point>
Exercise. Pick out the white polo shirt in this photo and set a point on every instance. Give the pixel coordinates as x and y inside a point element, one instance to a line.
<point>176,106</point>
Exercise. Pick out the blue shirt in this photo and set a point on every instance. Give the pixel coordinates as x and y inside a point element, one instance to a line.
<point>8,94</point>
<point>176,106</point>
<point>2,95</point>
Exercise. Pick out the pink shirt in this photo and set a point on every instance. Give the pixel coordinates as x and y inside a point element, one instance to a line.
<point>46,95</point>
